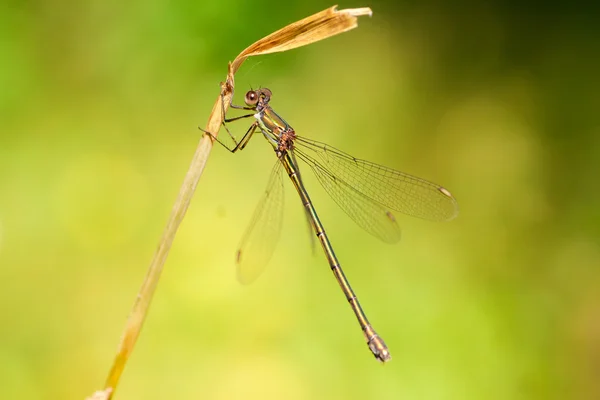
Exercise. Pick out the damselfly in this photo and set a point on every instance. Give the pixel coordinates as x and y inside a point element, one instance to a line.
<point>367,192</point>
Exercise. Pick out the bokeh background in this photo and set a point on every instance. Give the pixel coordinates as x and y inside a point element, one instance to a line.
<point>499,102</point>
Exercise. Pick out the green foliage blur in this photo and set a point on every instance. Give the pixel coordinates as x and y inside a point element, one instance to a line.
<point>99,108</point>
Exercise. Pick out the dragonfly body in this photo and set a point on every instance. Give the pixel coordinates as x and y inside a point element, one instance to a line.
<point>364,190</point>
<point>281,135</point>
<point>375,343</point>
<point>277,131</point>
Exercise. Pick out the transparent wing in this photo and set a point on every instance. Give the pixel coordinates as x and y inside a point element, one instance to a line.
<point>261,236</point>
<point>369,215</point>
<point>344,177</point>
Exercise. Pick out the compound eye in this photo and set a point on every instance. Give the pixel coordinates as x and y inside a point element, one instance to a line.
<point>267,94</point>
<point>251,98</point>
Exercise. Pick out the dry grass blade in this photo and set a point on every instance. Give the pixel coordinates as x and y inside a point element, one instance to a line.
<point>311,29</point>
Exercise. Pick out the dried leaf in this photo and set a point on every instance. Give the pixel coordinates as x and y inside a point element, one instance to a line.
<point>311,29</point>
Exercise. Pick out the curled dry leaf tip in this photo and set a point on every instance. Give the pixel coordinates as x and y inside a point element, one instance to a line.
<point>319,26</point>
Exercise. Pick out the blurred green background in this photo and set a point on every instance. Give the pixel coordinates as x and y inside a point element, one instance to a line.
<point>499,102</point>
